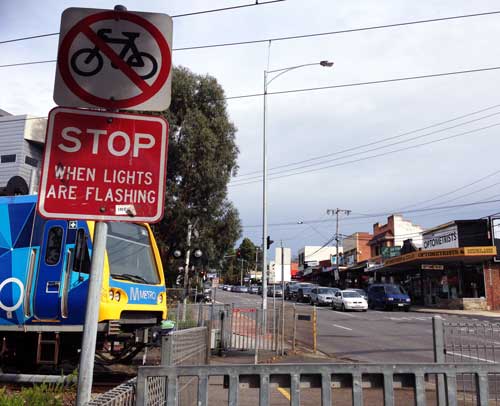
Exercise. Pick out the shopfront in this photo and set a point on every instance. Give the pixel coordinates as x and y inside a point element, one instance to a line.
<point>449,278</point>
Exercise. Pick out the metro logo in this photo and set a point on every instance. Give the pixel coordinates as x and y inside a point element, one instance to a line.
<point>138,294</point>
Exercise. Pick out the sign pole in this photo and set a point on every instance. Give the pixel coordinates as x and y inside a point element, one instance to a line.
<point>282,300</point>
<point>86,369</point>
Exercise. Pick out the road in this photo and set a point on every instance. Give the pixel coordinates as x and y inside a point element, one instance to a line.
<point>373,336</point>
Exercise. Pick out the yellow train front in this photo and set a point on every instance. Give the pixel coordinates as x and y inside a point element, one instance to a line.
<point>44,280</point>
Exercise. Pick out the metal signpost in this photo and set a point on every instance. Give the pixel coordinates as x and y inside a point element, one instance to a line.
<point>105,165</point>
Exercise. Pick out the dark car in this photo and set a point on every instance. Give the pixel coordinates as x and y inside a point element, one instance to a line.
<point>254,289</point>
<point>388,297</point>
<point>304,294</point>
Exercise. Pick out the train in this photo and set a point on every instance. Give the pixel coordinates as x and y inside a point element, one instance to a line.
<point>44,277</point>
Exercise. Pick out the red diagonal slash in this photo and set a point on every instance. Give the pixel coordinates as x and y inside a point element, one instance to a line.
<point>115,59</point>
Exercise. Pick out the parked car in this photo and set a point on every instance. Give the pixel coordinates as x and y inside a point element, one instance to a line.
<point>361,292</point>
<point>388,296</point>
<point>275,290</point>
<point>288,289</point>
<point>229,288</point>
<point>349,300</point>
<point>243,289</point>
<point>304,293</point>
<point>253,289</point>
<point>294,289</point>
<point>322,295</point>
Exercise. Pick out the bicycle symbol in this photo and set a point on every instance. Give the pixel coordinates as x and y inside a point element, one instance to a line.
<point>89,61</point>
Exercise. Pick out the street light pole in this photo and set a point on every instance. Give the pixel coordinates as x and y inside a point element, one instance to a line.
<point>264,207</point>
<point>278,72</point>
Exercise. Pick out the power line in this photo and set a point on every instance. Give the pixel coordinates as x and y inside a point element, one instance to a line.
<point>374,142</point>
<point>335,86</point>
<point>215,10</point>
<point>369,150</point>
<point>383,214</point>
<point>266,40</point>
<point>373,82</point>
<point>370,156</point>
<point>454,190</point>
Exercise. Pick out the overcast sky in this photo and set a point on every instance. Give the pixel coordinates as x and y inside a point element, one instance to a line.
<point>307,125</point>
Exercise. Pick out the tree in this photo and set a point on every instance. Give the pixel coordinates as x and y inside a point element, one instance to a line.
<point>201,160</point>
<point>247,249</point>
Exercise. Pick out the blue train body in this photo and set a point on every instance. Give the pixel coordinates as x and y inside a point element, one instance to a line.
<point>44,267</point>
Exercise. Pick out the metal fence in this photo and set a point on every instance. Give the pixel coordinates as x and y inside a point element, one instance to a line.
<point>180,348</point>
<point>259,382</point>
<point>471,342</point>
<point>237,328</point>
<point>122,395</point>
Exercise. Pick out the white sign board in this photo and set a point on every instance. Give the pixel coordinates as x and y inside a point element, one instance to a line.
<point>114,60</point>
<point>442,238</point>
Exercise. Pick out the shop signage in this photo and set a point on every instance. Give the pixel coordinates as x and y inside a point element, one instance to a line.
<point>390,252</point>
<point>442,238</point>
<point>453,252</point>
<point>429,267</point>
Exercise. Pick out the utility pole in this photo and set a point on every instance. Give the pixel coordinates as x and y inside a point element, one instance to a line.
<point>337,211</point>
<point>241,271</point>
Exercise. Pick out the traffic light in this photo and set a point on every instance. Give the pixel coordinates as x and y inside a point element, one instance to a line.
<point>269,242</point>
<point>238,253</point>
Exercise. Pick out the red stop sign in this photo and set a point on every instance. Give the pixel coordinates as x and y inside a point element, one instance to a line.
<point>103,166</point>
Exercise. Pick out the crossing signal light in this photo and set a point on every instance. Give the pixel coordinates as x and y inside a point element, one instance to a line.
<point>269,242</point>
<point>238,253</point>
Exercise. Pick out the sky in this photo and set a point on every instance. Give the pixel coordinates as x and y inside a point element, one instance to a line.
<point>456,164</point>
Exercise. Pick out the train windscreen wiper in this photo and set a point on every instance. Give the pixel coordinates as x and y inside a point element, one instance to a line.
<point>130,277</point>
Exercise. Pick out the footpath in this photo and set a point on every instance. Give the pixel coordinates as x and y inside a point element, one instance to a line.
<point>467,313</point>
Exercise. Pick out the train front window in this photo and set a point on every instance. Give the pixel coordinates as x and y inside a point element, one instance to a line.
<point>130,254</point>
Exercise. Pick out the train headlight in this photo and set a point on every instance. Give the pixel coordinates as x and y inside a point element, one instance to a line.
<point>117,296</point>
<point>111,295</point>
<point>160,298</point>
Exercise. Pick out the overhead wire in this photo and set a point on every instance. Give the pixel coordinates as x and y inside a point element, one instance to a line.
<point>372,149</point>
<point>193,13</point>
<point>368,157</point>
<point>373,142</point>
<point>274,39</point>
<point>382,214</point>
<point>332,86</point>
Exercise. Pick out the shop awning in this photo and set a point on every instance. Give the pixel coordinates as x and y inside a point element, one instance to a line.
<point>443,256</point>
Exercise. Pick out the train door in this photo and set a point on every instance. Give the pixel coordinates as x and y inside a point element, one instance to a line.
<point>46,301</point>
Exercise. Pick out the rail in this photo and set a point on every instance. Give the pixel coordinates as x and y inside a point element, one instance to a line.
<point>297,376</point>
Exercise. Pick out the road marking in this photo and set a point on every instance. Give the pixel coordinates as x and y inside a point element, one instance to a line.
<point>470,356</point>
<point>345,328</point>
<point>285,393</point>
<point>344,313</point>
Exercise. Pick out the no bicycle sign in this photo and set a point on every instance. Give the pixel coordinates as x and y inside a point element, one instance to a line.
<point>114,60</point>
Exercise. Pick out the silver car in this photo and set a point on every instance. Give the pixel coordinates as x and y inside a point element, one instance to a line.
<point>322,295</point>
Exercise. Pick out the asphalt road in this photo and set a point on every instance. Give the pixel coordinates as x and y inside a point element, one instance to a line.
<point>372,336</point>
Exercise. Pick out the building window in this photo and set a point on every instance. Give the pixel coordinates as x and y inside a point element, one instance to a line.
<point>31,161</point>
<point>8,158</point>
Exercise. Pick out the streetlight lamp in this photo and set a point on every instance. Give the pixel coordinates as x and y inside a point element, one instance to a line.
<point>278,72</point>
